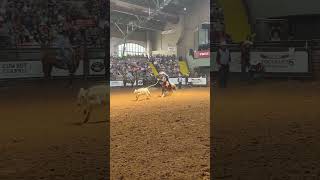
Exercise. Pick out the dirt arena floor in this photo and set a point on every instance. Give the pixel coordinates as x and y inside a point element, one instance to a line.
<point>267,131</point>
<point>41,137</point>
<point>160,138</point>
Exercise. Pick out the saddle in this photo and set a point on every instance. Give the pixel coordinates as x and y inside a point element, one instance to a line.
<point>63,61</point>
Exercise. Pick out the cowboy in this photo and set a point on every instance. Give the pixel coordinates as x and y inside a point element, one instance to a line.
<point>64,46</point>
<point>180,81</point>
<point>164,78</point>
<point>223,59</point>
<point>245,56</point>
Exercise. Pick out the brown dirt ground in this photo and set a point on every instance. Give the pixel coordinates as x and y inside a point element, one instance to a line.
<point>267,131</point>
<point>160,138</point>
<point>41,138</point>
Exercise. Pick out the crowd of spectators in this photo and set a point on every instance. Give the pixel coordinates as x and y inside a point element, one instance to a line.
<point>168,64</point>
<point>38,22</point>
<point>129,67</point>
<point>137,67</point>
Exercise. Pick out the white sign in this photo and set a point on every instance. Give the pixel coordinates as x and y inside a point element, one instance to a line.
<point>140,83</point>
<point>198,81</point>
<point>175,80</point>
<point>120,83</point>
<point>116,83</point>
<point>288,62</point>
<point>194,81</point>
<point>278,62</point>
<point>20,69</point>
<point>96,67</point>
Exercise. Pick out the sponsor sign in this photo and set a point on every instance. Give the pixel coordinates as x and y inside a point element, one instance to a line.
<point>116,83</point>
<point>21,69</point>
<point>286,62</point>
<point>120,83</point>
<point>274,62</point>
<point>201,54</point>
<point>175,80</point>
<point>96,67</point>
<point>194,81</point>
<point>140,83</point>
<point>198,81</point>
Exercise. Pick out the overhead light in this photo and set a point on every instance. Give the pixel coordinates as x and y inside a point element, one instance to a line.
<point>185,9</point>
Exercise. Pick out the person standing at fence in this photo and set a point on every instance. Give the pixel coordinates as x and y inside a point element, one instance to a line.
<point>223,60</point>
<point>180,81</point>
<point>245,57</point>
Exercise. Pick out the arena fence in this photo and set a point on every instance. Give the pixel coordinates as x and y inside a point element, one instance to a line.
<point>25,64</point>
<point>284,59</point>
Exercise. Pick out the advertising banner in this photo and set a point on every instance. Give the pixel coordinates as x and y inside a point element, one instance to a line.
<point>201,54</point>
<point>283,62</point>
<point>274,62</point>
<point>120,83</point>
<point>21,69</point>
<point>194,81</point>
<point>96,67</point>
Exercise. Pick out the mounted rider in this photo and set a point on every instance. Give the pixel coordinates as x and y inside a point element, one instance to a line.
<point>65,49</point>
<point>164,78</point>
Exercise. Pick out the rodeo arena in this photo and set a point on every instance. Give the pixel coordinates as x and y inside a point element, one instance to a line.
<point>54,83</point>
<point>265,90</point>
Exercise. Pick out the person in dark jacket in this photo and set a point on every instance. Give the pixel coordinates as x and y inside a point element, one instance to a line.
<point>245,57</point>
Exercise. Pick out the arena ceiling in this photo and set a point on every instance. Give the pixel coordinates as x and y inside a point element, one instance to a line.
<point>126,12</point>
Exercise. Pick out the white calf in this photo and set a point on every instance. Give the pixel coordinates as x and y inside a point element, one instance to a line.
<point>88,98</point>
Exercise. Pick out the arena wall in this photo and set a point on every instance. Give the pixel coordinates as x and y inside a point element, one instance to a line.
<point>277,8</point>
<point>183,37</point>
<point>198,14</point>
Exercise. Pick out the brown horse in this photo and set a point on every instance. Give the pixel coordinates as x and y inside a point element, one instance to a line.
<point>168,90</point>
<point>49,61</point>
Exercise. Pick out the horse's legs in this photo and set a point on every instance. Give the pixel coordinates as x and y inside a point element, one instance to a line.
<point>49,71</point>
<point>71,75</point>
<point>46,70</point>
<point>71,79</point>
<point>163,92</point>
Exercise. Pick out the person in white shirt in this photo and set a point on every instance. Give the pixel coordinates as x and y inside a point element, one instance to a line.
<point>223,59</point>
<point>180,81</point>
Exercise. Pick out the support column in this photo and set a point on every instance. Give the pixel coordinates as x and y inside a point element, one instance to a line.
<point>149,45</point>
